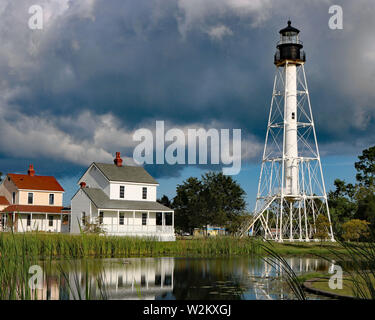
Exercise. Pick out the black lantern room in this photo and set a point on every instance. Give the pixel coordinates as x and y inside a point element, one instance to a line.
<point>289,47</point>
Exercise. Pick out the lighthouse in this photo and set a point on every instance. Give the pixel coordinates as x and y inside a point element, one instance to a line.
<point>288,56</point>
<point>291,191</point>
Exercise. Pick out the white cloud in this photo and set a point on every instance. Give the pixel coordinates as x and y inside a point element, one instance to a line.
<point>218,32</point>
<point>195,12</point>
<point>34,137</point>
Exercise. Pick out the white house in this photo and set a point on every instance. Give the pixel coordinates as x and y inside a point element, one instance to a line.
<point>123,200</point>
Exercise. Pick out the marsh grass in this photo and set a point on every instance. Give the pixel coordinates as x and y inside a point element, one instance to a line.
<point>96,246</point>
<point>19,252</point>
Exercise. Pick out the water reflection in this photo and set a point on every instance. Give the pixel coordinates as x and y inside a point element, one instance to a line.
<point>175,278</point>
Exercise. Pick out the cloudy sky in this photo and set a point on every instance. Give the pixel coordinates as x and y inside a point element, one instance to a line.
<point>74,92</point>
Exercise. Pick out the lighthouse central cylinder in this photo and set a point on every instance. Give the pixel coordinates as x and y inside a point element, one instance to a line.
<point>291,147</point>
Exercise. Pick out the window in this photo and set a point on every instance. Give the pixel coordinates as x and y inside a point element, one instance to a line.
<point>144,193</point>
<point>28,220</point>
<point>144,219</point>
<point>159,218</point>
<point>122,192</point>
<point>50,221</point>
<point>101,216</point>
<point>51,199</point>
<point>83,217</point>
<point>122,218</point>
<point>293,115</point>
<point>168,218</point>
<point>30,198</point>
<point>13,197</point>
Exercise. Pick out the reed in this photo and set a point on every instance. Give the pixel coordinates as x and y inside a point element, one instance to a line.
<point>84,246</point>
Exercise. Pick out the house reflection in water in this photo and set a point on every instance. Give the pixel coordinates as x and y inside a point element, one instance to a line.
<point>145,278</point>
<point>133,278</point>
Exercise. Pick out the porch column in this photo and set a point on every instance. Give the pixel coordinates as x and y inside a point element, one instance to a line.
<point>61,219</point>
<point>118,220</point>
<point>45,223</point>
<point>31,222</point>
<point>172,219</point>
<point>162,221</point>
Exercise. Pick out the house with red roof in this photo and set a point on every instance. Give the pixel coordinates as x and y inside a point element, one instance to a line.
<point>29,202</point>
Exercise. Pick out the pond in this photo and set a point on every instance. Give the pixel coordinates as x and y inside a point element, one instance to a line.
<point>240,278</point>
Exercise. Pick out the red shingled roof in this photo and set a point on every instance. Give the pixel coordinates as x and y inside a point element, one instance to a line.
<point>32,209</point>
<point>4,201</point>
<point>24,181</point>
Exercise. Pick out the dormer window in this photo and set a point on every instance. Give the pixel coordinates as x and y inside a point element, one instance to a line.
<point>30,198</point>
<point>122,192</point>
<point>144,193</point>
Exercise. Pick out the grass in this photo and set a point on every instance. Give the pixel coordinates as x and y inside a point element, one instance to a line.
<point>88,245</point>
<point>85,246</point>
<point>322,284</point>
<point>19,253</point>
<point>348,285</point>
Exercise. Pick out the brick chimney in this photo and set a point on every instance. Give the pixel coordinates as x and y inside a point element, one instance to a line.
<point>118,160</point>
<point>83,184</point>
<point>31,171</point>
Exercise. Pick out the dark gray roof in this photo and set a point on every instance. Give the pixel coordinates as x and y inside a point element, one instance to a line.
<point>125,173</point>
<point>101,201</point>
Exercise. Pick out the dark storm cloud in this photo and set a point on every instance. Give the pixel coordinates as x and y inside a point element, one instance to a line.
<point>101,69</point>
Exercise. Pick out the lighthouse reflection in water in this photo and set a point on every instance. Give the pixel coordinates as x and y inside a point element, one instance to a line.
<point>173,278</point>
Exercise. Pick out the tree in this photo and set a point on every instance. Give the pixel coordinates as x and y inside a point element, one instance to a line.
<point>322,227</point>
<point>224,198</point>
<point>366,168</point>
<point>164,200</point>
<point>357,201</point>
<point>187,204</point>
<point>342,204</point>
<point>366,209</point>
<point>355,229</point>
<point>216,199</point>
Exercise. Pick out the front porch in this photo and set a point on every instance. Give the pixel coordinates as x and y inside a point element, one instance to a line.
<point>159,225</point>
<point>28,222</point>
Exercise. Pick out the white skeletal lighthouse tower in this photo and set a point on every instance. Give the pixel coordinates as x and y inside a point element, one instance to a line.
<point>291,192</point>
